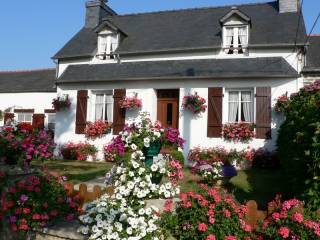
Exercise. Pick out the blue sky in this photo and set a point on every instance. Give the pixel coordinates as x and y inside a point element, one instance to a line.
<point>32,31</point>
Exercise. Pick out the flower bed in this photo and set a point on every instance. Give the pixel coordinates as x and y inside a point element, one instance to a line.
<point>97,129</point>
<point>131,103</point>
<point>211,214</point>
<point>287,220</point>
<point>36,202</point>
<point>194,103</point>
<point>61,103</point>
<point>21,142</point>
<point>238,132</point>
<point>78,151</point>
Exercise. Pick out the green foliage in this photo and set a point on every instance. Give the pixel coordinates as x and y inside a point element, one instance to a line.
<point>299,143</point>
<point>178,155</point>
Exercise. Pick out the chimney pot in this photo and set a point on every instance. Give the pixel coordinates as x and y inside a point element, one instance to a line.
<point>287,6</point>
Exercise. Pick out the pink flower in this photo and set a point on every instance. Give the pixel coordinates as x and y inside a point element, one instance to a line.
<point>211,237</point>
<point>230,238</point>
<point>168,205</point>
<point>284,232</point>
<point>276,216</point>
<point>297,217</point>
<point>202,227</point>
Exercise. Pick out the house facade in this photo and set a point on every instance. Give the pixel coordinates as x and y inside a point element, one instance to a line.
<point>26,96</point>
<point>239,58</point>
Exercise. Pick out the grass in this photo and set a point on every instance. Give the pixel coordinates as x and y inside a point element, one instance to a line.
<point>76,171</point>
<point>254,184</point>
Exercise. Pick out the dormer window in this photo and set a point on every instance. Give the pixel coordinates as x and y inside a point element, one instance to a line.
<point>235,31</point>
<point>235,39</point>
<point>107,44</point>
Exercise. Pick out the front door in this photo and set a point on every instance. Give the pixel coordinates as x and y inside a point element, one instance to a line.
<point>168,107</point>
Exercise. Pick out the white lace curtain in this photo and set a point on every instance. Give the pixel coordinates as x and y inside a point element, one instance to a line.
<point>229,36</point>
<point>109,108</point>
<point>247,106</point>
<point>99,107</point>
<point>104,107</point>
<point>233,106</point>
<point>242,36</point>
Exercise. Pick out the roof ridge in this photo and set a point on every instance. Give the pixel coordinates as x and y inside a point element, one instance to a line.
<point>27,70</point>
<point>192,9</point>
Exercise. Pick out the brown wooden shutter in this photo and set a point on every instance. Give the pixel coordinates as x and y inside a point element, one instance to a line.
<point>81,114</point>
<point>263,112</point>
<point>215,96</point>
<point>38,121</point>
<point>7,117</point>
<point>119,114</point>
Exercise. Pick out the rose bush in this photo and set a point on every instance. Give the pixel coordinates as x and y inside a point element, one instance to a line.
<point>22,143</point>
<point>35,202</point>
<point>238,132</point>
<point>78,151</point>
<point>282,103</point>
<point>194,103</point>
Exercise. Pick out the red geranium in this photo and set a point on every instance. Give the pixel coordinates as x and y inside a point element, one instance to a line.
<point>194,103</point>
<point>242,132</point>
<point>131,103</point>
<point>97,129</point>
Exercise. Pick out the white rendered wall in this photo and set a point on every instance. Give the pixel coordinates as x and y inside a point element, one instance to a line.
<point>37,101</point>
<point>193,128</point>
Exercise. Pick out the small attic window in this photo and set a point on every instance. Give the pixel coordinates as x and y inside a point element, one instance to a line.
<point>235,31</point>
<point>107,44</point>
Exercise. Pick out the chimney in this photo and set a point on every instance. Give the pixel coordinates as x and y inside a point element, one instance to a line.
<point>96,10</point>
<point>289,6</point>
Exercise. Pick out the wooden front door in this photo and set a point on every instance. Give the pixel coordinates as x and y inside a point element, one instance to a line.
<point>168,107</point>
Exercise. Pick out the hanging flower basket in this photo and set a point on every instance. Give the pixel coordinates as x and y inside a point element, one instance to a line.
<point>97,129</point>
<point>194,103</point>
<point>282,103</point>
<point>131,103</point>
<point>238,132</point>
<point>61,103</point>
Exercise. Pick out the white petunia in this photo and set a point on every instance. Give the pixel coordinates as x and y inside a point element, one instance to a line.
<point>134,147</point>
<point>154,167</point>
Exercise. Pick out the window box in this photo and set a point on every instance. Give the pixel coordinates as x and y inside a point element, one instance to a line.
<point>97,129</point>
<point>238,132</point>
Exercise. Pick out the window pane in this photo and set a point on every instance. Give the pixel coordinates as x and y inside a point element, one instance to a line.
<point>169,113</point>
<point>233,106</point>
<point>28,117</point>
<point>246,106</point>
<point>20,117</point>
<point>99,105</point>
<point>51,118</point>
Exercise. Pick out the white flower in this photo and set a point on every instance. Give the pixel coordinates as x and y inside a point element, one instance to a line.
<point>168,185</point>
<point>133,147</point>
<point>167,194</point>
<point>131,174</point>
<point>130,185</point>
<point>141,170</point>
<point>141,211</point>
<point>154,167</point>
<point>146,142</point>
<point>148,211</point>
<point>135,164</point>
<point>129,230</point>
<point>157,134</point>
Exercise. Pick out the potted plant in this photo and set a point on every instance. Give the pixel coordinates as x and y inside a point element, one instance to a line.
<point>61,102</point>
<point>194,103</point>
<point>97,129</point>
<point>131,103</point>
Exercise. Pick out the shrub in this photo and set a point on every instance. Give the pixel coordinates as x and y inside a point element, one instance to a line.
<point>299,143</point>
<point>21,142</point>
<point>282,103</point>
<point>97,129</point>
<point>265,159</point>
<point>210,214</point>
<point>288,220</point>
<point>178,155</point>
<point>78,151</point>
<point>194,103</point>
<point>35,202</point>
<point>238,132</point>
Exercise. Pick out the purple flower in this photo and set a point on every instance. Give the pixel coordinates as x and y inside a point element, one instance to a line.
<point>24,198</point>
<point>13,219</point>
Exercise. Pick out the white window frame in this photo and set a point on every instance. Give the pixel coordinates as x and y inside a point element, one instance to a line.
<point>235,45</point>
<point>47,120</point>
<point>24,114</point>
<point>226,103</point>
<point>105,102</point>
<point>111,39</point>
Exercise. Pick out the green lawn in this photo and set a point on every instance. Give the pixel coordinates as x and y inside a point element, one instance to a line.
<point>254,184</point>
<point>76,171</point>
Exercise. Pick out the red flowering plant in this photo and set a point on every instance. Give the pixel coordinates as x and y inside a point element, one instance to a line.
<point>22,143</point>
<point>238,132</point>
<point>282,103</point>
<point>194,103</point>
<point>35,202</point>
<point>210,214</point>
<point>61,102</point>
<point>172,138</point>
<point>288,220</point>
<point>131,103</point>
<point>97,129</point>
<point>78,151</point>
<point>115,148</point>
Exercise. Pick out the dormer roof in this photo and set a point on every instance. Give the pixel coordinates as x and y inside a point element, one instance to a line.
<point>109,25</point>
<point>235,12</point>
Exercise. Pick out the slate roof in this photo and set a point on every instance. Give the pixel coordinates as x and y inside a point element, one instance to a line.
<point>28,81</point>
<point>189,29</point>
<point>203,68</point>
<point>313,55</point>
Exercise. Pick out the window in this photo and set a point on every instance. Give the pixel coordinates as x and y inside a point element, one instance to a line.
<point>24,117</point>
<point>104,106</point>
<point>51,121</point>
<point>107,44</point>
<point>235,39</point>
<point>240,106</point>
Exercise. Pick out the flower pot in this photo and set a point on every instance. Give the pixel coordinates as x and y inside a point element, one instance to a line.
<point>151,152</point>
<point>229,171</point>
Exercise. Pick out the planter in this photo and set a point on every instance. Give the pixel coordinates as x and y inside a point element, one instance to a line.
<point>229,171</point>
<point>151,152</point>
